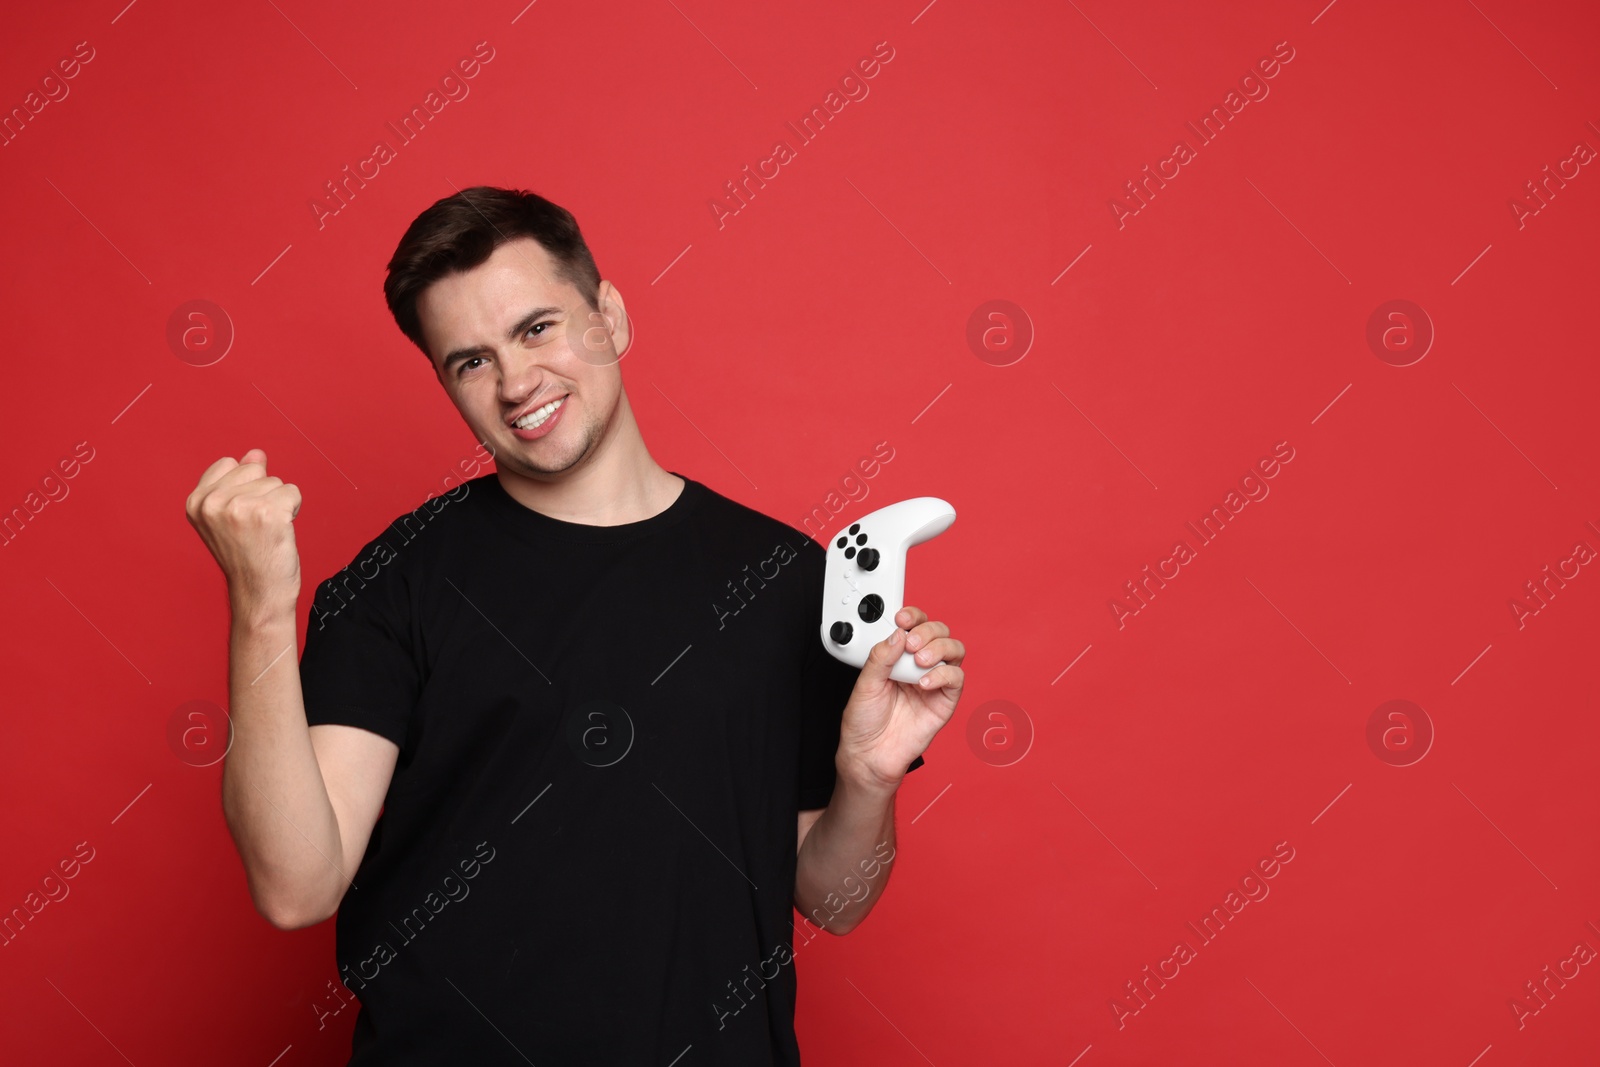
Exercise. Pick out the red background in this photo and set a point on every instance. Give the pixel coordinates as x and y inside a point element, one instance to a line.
<point>830,313</point>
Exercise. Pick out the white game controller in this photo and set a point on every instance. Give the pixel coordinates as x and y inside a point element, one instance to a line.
<point>865,583</point>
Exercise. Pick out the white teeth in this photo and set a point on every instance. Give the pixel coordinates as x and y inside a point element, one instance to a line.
<point>534,419</point>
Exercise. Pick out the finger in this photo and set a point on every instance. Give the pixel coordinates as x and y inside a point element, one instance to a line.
<point>882,657</point>
<point>213,474</point>
<point>260,487</point>
<point>910,616</point>
<point>925,633</point>
<point>225,471</point>
<point>293,493</point>
<point>945,649</point>
<point>254,456</point>
<point>273,493</point>
<point>252,467</point>
<point>946,676</point>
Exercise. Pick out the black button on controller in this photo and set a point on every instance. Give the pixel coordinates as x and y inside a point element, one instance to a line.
<point>841,632</point>
<point>867,559</point>
<point>871,607</point>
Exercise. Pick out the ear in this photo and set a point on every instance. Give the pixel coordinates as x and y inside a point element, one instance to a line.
<point>616,318</point>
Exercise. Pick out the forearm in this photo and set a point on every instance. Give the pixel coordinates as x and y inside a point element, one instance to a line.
<point>843,866</point>
<point>273,795</point>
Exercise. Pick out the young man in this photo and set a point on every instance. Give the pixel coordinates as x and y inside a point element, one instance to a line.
<point>586,695</point>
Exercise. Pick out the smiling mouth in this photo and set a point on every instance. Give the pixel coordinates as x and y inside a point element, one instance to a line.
<point>540,415</point>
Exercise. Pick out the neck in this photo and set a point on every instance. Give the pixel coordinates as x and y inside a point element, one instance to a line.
<point>619,482</point>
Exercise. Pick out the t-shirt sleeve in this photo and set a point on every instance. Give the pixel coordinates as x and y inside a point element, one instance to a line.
<point>359,667</point>
<point>825,688</point>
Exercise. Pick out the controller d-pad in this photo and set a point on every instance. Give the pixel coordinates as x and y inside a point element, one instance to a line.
<point>871,608</point>
<point>866,559</point>
<point>841,632</point>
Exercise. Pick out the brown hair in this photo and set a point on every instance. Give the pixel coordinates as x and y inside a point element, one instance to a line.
<point>461,231</point>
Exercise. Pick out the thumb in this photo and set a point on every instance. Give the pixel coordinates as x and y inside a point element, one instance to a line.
<point>255,455</point>
<point>882,657</point>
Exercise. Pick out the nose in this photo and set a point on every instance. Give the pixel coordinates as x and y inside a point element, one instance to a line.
<point>520,375</point>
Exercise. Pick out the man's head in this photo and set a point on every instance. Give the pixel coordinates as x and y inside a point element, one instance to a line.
<point>499,291</point>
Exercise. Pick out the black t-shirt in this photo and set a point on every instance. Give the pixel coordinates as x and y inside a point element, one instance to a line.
<point>587,852</point>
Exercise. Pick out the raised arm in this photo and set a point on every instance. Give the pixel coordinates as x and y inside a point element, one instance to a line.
<point>300,803</point>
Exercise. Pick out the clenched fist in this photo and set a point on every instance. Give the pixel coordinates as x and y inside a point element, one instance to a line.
<point>246,519</point>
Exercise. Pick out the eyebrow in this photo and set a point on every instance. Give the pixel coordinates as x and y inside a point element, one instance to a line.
<point>520,327</point>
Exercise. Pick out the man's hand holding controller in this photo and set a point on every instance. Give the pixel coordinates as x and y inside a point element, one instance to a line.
<point>911,675</point>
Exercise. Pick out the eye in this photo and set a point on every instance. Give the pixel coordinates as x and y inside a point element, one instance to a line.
<point>461,367</point>
<point>538,325</point>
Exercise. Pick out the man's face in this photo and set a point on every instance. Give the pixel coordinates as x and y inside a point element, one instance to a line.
<point>508,338</point>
